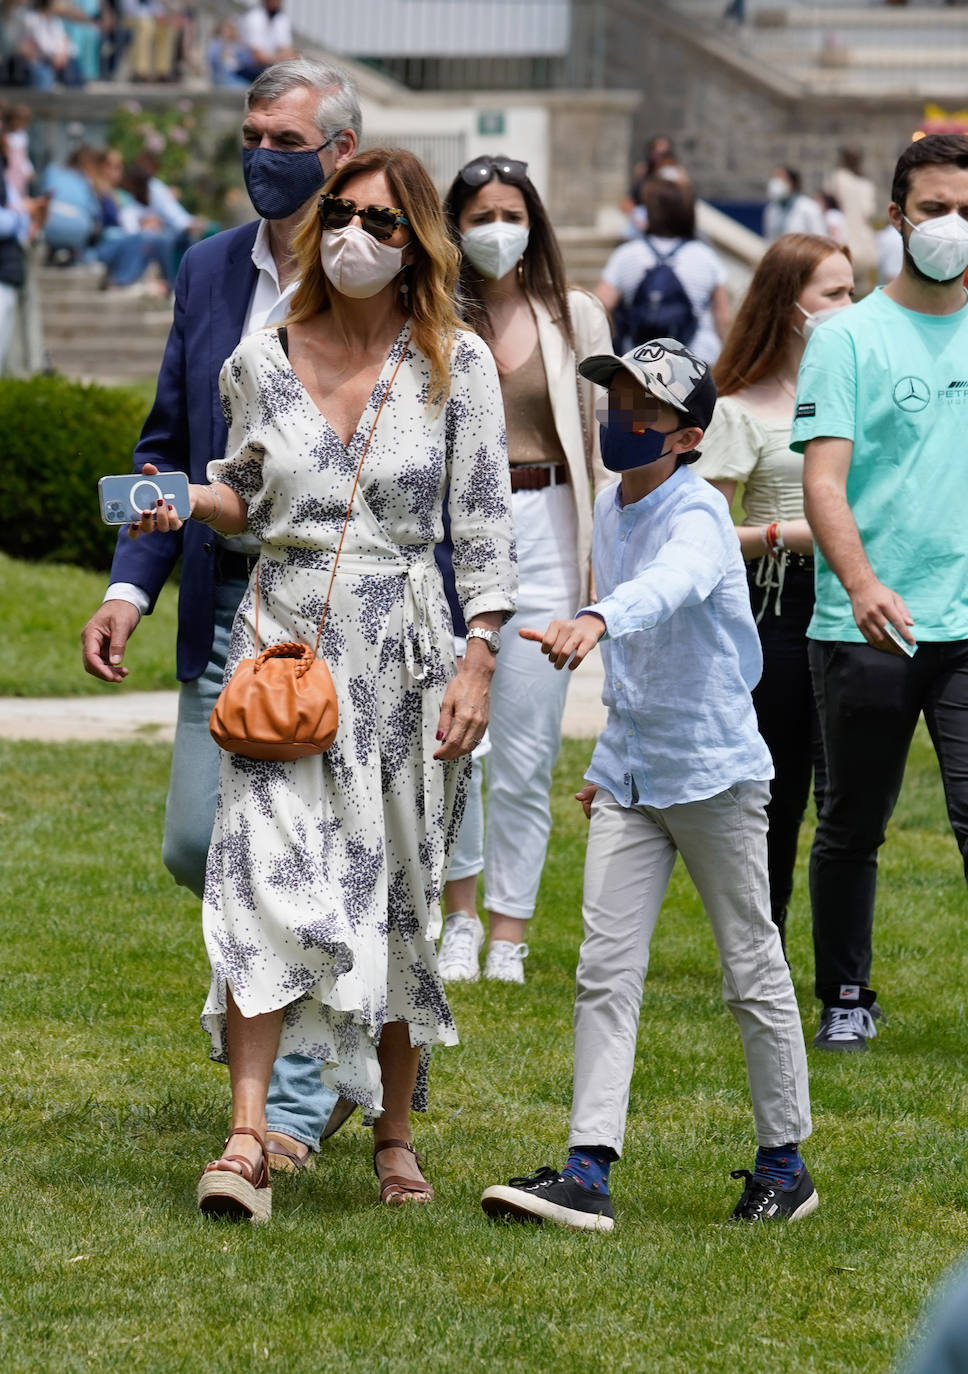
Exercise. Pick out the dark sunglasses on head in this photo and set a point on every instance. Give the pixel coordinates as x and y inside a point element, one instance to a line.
<point>379,220</point>
<point>482,169</point>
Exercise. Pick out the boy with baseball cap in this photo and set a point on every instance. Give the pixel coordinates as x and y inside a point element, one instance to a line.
<point>679,768</point>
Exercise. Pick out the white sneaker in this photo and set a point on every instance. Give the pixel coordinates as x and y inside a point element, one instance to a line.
<point>505,961</point>
<point>458,958</point>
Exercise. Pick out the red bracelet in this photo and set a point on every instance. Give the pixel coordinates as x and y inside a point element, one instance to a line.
<point>772,534</point>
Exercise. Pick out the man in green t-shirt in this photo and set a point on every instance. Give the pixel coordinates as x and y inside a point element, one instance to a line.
<point>881,418</point>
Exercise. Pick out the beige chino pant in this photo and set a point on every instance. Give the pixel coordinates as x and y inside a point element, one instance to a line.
<point>153,49</point>
<point>631,852</point>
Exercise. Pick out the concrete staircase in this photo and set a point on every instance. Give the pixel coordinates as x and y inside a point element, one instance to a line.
<point>95,335</point>
<point>919,49</point>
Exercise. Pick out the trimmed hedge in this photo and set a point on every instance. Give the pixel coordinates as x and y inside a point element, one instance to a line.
<point>58,437</point>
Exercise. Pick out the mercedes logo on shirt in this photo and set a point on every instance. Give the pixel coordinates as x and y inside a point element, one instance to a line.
<point>911,393</point>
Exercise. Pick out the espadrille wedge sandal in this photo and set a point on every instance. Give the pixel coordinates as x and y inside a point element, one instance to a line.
<point>395,1189</point>
<point>240,1196</point>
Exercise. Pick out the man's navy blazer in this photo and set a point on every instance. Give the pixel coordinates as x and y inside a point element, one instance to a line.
<point>185,430</point>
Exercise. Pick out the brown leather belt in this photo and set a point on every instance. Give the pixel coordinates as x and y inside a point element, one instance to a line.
<point>534,478</point>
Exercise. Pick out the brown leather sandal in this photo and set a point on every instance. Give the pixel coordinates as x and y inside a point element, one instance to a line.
<point>241,1196</point>
<point>395,1189</point>
<point>282,1160</point>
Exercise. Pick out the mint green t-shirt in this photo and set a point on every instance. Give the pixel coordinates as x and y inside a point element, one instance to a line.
<point>895,382</point>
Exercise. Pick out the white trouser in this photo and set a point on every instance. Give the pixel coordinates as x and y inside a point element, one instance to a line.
<point>527,703</point>
<point>628,864</point>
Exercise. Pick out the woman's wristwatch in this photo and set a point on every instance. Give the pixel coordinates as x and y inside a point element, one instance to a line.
<point>490,637</point>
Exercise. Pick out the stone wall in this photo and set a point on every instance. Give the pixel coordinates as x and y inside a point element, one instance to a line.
<point>590,139</point>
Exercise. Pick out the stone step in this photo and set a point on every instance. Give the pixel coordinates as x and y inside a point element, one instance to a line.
<point>585,255</point>
<point>901,53</point>
<point>881,19</point>
<point>762,14</point>
<point>69,281</point>
<point>99,358</point>
<point>96,335</point>
<point>101,316</point>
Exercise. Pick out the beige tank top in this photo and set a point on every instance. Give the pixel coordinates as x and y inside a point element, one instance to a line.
<point>532,436</point>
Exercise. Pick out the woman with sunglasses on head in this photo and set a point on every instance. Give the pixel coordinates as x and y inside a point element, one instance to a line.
<point>513,292</point>
<point>321,904</point>
<point>800,280</point>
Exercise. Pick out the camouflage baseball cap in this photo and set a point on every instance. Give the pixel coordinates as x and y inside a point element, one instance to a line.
<point>667,370</point>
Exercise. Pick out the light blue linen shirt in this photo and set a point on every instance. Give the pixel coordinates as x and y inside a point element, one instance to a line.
<point>682,652</point>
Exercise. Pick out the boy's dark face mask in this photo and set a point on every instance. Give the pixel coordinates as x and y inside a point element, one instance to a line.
<point>623,448</point>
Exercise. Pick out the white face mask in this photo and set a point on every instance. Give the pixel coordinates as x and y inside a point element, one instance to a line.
<point>778,189</point>
<point>939,246</point>
<point>811,318</point>
<point>356,263</point>
<point>495,248</point>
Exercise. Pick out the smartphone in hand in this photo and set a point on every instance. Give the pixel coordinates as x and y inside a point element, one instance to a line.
<point>124,498</point>
<point>892,632</point>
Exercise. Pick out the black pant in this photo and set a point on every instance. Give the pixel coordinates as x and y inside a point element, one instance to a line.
<point>869,702</point>
<point>787,716</point>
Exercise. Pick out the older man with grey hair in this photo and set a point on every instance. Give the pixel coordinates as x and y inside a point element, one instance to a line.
<point>302,121</point>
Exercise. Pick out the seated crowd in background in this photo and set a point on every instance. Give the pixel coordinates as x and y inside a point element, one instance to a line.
<point>45,43</point>
<point>123,217</point>
<point>91,208</point>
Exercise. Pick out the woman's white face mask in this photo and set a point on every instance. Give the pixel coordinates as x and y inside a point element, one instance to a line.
<point>811,318</point>
<point>495,248</point>
<point>356,264</point>
<point>939,246</point>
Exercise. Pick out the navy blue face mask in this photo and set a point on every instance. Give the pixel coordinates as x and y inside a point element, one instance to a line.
<point>279,182</point>
<point>621,449</point>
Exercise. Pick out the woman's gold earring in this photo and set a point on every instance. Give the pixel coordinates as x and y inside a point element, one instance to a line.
<point>520,271</point>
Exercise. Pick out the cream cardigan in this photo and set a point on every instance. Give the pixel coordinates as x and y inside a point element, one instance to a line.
<point>576,425</point>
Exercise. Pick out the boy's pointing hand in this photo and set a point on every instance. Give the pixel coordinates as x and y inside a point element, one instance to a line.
<point>568,639</point>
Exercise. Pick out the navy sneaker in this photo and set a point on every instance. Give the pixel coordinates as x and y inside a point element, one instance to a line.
<point>764,1200</point>
<point>550,1196</point>
<point>845,1028</point>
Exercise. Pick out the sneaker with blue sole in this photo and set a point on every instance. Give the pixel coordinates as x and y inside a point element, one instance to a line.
<point>548,1195</point>
<point>766,1200</point>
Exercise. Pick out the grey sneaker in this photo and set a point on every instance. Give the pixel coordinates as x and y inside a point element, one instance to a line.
<point>844,1028</point>
<point>505,961</point>
<point>458,959</point>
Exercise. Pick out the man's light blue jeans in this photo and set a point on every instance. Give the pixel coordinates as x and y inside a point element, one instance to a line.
<point>298,1104</point>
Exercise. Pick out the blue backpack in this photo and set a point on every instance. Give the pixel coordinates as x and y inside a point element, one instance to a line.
<point>659,308</point>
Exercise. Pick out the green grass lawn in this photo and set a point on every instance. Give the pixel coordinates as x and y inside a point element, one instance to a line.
<point>110,1107</point>
<point>43,608</point>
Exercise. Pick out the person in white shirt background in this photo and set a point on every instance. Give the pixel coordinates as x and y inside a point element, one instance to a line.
<point>671,235</point>
<point>788,210</point>
<point>265,35</point>
<point>41,39</point>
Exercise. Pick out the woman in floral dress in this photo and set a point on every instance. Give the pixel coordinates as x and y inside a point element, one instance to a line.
<point>321,905</point>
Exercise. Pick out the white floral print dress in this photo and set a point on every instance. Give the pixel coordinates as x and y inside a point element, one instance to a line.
<point>324,874</point>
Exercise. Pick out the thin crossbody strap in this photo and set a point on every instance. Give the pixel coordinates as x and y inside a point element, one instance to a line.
<point>346,519</point>
<point>356,481</point>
